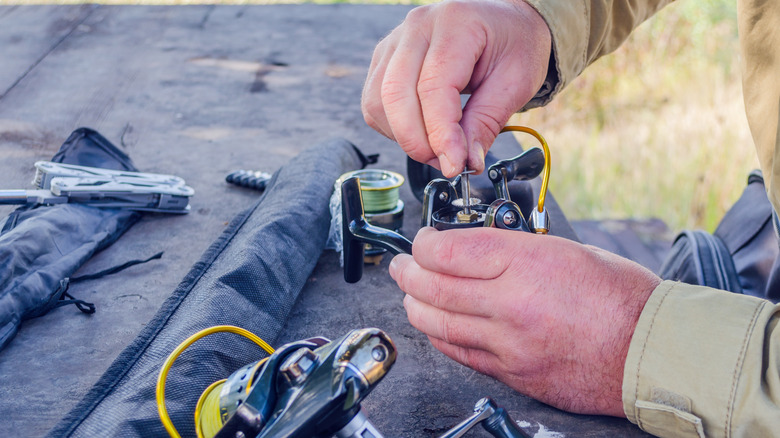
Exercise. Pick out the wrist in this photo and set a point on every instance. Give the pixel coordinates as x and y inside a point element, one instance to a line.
<point>534,43</point>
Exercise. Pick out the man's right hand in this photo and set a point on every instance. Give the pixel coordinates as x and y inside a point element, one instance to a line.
<point>497,51</point>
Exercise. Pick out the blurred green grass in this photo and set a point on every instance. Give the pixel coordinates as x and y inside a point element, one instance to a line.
<point>656,129</point>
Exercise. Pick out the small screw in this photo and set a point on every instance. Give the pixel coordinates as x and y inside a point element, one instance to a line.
<point>493,174</point>
<point>379,353</point>
<point>510,219</point>
<point>240,434</point>
<point>443,196</point>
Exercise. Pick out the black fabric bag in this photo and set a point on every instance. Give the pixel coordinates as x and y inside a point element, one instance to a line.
<point>42,246</point>
<point>741,256</point>
<point>250,277</point>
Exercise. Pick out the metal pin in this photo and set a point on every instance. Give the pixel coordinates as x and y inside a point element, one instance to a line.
<point>465,190</point>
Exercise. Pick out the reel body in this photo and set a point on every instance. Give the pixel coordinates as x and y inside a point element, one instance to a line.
<point>444,207</point>
<point>309,388</point>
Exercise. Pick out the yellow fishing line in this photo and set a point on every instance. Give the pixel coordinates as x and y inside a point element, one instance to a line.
<point>547,161</point>
<point>161,378</point>
<point>208,423</point>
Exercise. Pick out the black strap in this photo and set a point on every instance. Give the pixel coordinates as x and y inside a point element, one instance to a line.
<point>61,297</point>
<point>365,160</point>
<point>115,269</point>
<point>66,298</point>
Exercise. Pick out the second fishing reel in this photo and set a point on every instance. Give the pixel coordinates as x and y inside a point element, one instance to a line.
<point>450,205</point>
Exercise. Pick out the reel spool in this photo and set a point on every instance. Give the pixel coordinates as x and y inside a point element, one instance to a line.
<point>382,207</point>
<point>220,400</point>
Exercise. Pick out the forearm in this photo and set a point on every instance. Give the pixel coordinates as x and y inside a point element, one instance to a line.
<point>704,361</point>
<point>583,31</point>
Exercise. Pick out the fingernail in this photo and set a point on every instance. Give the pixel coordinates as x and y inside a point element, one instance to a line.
<point>393,266</point>
<point>446,165</point>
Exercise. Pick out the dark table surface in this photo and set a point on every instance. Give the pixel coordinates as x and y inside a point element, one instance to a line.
<point>198,91</point>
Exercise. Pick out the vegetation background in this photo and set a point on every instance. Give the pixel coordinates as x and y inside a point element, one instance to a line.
<point>656,129</point>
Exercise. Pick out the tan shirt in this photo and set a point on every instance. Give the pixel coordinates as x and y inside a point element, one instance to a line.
<point>702,362</point>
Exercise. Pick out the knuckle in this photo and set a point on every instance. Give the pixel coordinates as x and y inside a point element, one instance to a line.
<point>371,106</point>
<point>488,119</point>
<point>430,82</point>
<point>479,361</point>
<point>452,10</point>
<point>417,16</point>
<point>444,248</point>
<point>446,328</point>
<point>436,291</point>
<point>392,91</point>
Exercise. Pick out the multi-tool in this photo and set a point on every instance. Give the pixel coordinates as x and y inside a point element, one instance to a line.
<point>58,183</point>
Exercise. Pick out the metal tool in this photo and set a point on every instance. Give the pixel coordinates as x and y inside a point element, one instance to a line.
<point>252,179</point>
<point>58,183</point>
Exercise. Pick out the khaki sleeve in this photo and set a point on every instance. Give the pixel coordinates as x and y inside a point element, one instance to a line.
<point>759,41</point>
<point>704,362</point>
<point>583,31</point>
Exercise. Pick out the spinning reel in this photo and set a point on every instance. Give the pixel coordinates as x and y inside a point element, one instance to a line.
<point>445,207</point>
<point>309,389</point>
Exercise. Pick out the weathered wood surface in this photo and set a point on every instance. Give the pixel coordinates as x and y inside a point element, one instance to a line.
<point>199,91</point>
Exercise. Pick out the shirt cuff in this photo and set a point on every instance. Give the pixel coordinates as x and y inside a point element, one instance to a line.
<point>685,360</point>
<point>568,23</point>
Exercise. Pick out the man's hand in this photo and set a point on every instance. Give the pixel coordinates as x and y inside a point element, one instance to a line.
<point>497,51</point>
<point>549,317</point>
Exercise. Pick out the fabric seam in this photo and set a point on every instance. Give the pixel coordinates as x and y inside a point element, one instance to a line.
<point>587,32</point>
<point>738,368</point>
<point>642,354</point>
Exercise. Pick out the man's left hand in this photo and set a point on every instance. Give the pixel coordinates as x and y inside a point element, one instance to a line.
<point>549,317</point>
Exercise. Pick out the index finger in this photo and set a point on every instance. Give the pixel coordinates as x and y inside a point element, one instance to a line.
<point>447,71</point>
<point>453,294</point>
<point>481,253</point>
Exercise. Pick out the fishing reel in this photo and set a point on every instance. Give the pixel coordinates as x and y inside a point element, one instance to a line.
<point>449,205</point>
<point>304,389</point>
<point>309,389</point>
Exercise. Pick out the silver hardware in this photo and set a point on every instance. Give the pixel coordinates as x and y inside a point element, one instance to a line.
<point>59,183</point>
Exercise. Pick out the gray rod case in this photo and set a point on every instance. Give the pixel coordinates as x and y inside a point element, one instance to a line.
<point>250,277</point>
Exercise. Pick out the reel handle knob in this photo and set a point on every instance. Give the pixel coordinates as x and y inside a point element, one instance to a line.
<point>525,166</point>
<point>501,425</point>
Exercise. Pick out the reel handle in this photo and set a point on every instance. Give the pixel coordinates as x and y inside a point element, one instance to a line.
<point>356,232</point>
<point>494,419</point>
<point>525,166</point>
